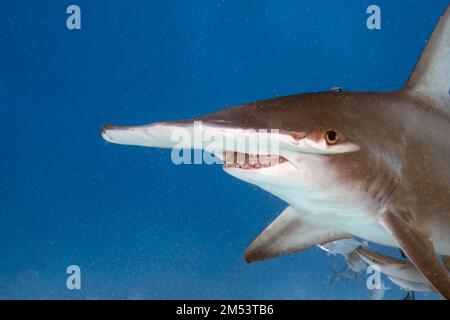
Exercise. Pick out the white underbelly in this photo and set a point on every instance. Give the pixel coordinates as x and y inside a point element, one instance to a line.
<point>361,222</point>
<point>353,217</point>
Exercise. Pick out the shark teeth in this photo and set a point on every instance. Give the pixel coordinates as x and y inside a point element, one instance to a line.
<point>232,159</point>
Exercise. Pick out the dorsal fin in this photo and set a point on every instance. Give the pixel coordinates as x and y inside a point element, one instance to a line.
<point>431,76</point>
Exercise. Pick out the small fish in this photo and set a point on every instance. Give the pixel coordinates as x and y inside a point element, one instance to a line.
<point>343,247</point>
<point>346,248</point>
<point>401,272</point>
<point>347,274</point>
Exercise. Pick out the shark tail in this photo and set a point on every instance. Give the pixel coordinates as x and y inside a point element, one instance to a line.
<point>431,76</point>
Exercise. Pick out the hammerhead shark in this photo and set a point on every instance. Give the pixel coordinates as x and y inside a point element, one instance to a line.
<point>374,165</point>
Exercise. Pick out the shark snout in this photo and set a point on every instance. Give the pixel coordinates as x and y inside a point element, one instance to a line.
<point>159,135</point>
<point>196,135</point>
<point>105,130</point>
<point>119,134</point>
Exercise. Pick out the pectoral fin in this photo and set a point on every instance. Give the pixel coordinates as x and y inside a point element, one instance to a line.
<point>290,232</point>
<point>420,250</point>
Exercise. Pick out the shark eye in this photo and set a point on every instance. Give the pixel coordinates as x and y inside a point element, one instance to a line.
<point>331,137</point>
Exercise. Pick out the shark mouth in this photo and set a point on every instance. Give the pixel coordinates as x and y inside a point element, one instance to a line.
<point>245,161</point>
<point>260,151</point>
<point>251,157</point>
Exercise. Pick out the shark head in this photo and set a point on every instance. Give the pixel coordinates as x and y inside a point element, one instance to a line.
<point>307,149</point>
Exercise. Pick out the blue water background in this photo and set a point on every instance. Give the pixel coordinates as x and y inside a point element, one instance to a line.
<point>138,225</point>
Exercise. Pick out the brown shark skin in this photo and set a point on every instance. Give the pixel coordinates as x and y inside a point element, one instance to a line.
<point>403,161</point>
<point>405,149</point>
<point>402,164</point>
<point>403,138</point>
<point>401,169</point>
